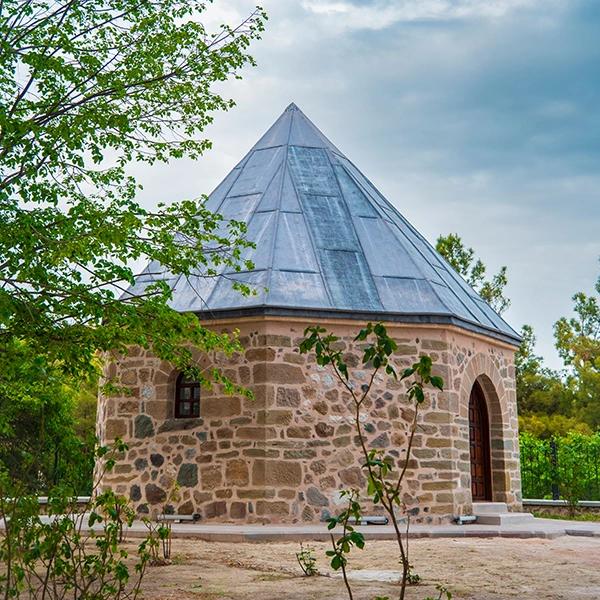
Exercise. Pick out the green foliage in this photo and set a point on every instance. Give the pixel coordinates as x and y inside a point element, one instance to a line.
<point>350,537</point>
<point>555,403</point>
<point>42,442</point>
<point>86,88</point>
<point>588,517</point>
<point>84,411</point>
<point>554,425</point>
<point>74,551</point>
<point>578,343</point>
<point>573,467</point>
<point>539,389</point>
<point>160,529</point>
<point>578,338</point>
<point>384,482</point>
<point>422,370</point>
<point>307,561</point>
<point>443,593</point>
<point>545,402</point>
<point>412,578</point>
<point>375,354</point>
<point>160,537</point>
<point>463,260</point>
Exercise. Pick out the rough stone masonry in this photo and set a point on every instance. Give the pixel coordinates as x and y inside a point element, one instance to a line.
<point>283,456</point>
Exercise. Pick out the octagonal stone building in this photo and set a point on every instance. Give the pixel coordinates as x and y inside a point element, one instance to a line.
<point>330,250</point>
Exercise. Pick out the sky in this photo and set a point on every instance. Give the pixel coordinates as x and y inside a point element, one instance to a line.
<point>477,117</point>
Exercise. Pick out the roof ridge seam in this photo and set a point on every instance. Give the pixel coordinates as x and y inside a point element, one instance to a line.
<point>397,213</point>
<point>216,211</point>
<point>310,239</point>
<point>282,116</point>
<point>476,297</point>
<point>249,220</point>
<point>283,167</point>
<point>360,246</point>
<point>329,145</point>
<point>387,223</point>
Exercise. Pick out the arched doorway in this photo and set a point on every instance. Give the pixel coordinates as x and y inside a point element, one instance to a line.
<point>479,445</point>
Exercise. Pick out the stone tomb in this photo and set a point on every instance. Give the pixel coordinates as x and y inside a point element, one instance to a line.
<point>330,250</point>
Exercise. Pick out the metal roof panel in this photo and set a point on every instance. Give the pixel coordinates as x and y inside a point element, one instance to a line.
<point>326,240</point>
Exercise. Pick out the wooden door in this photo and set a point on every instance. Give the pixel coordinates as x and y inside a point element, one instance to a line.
<point>479,440</point>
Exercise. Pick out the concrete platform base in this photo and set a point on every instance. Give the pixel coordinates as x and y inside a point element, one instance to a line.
<point>532,528</point>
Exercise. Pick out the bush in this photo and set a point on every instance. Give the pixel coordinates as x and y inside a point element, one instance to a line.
<point>549,426</point>
<point>570,464</point>
<point>72,551</point>
<point>47,428</point>
<point>386,486</point>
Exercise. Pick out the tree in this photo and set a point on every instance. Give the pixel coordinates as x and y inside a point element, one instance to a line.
<point>386,485</point>
<point>578,338</point>
<point>578,344</point>
<point>463,261</point>
<point>40,436</point>
<point>550,402</point>
<point>85,397</point>
<point>555,403</point>
<point>544,426</point>
<point>540,390</point>
<point>86,88</point>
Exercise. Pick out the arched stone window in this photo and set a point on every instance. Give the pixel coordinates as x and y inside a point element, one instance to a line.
<point>187,398</point>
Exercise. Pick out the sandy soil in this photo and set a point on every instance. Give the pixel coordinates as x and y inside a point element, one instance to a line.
<point>529,569</point>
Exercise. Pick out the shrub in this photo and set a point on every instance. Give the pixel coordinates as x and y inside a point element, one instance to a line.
<point>307,561</point>
<point>569,465</point>
<point>385,476</point>
<point>72,551</point>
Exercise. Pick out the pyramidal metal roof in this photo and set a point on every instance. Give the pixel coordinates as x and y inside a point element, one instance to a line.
<point>327,244</point>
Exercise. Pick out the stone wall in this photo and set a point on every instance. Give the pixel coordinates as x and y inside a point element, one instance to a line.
<point>284,456</point>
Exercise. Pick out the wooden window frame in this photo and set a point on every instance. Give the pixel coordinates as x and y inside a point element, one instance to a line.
<point>181,384</point>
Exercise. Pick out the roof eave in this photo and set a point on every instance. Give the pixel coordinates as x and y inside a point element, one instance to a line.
<point>393,317</point>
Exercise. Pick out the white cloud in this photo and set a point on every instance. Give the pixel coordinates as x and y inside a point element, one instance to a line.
<point>486,128</point>
<point>381,14</point>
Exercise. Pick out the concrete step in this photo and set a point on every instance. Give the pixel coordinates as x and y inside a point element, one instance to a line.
<point>508,518</point>
<point>496,513</point>
<point>486,508</point>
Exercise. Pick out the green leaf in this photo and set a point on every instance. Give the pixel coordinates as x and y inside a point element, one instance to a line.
<point>437,382</point>
<point>407,373</point>
<point>419,395</point>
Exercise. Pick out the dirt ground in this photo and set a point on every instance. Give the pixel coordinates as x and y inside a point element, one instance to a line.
<point>527,569</point>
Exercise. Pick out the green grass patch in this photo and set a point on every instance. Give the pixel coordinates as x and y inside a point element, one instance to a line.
<point>584,516</point>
